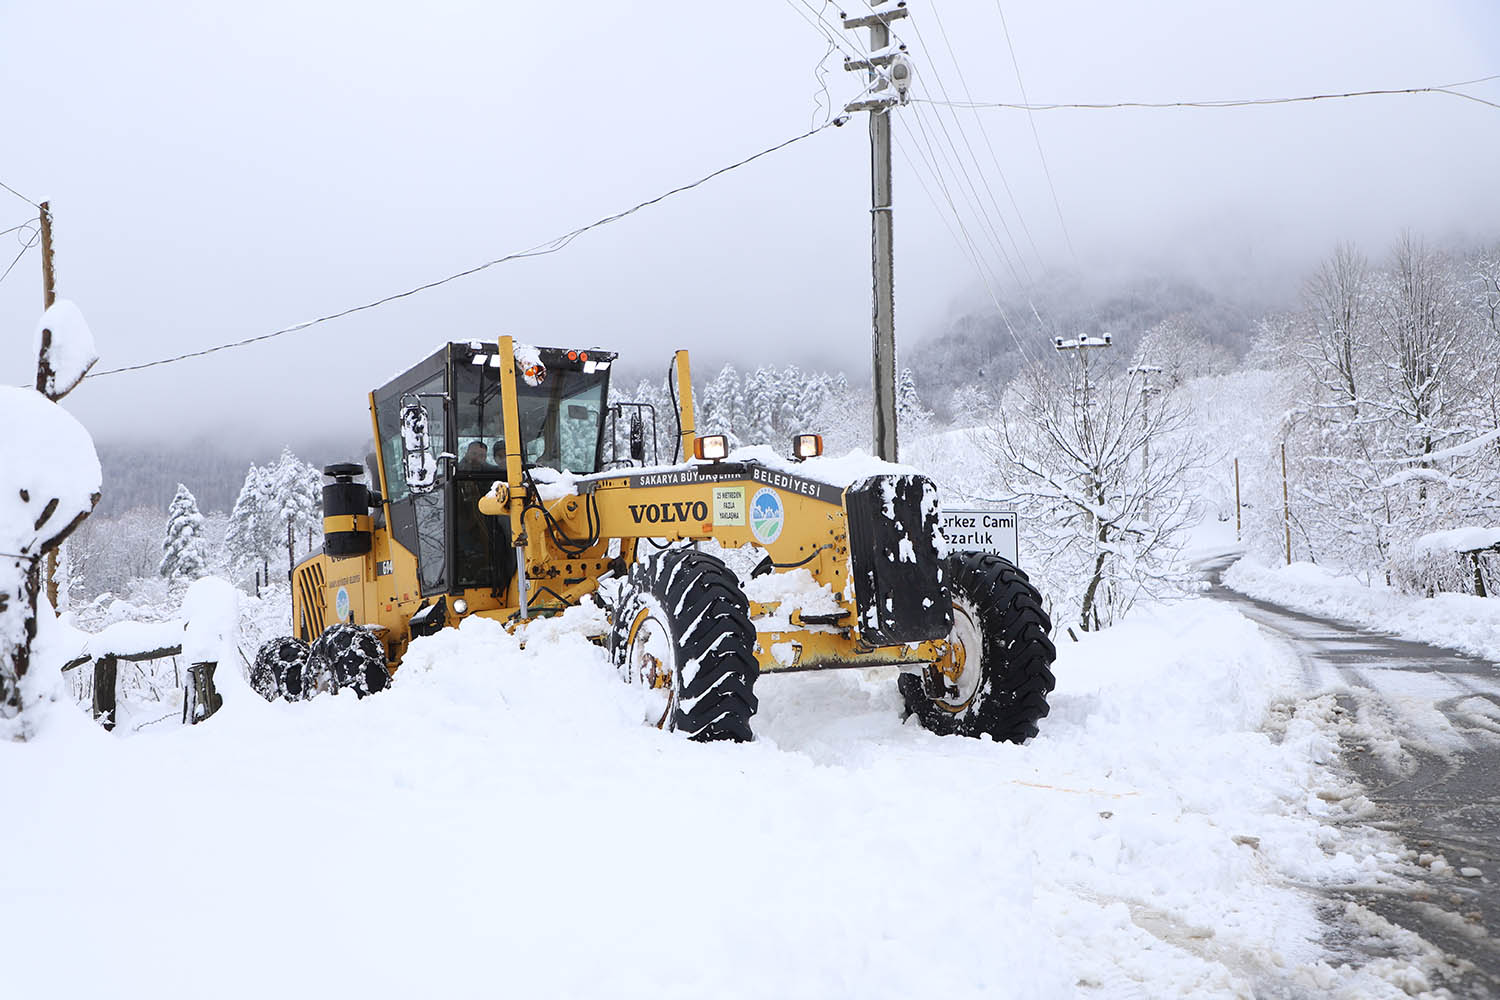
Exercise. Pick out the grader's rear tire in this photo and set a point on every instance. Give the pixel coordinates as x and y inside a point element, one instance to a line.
<point>997,679</point>
<point>681,633</point>
<point>279,667</point>
<point>347,656</point>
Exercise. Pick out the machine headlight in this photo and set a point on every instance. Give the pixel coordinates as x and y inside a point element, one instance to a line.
<point>806,446</point>
<point>712,447</point>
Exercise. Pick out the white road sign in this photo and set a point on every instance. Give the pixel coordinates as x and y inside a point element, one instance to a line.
<point>982,531</point>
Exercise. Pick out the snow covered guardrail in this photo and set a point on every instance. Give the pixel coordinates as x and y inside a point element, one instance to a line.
<point>206,636</point>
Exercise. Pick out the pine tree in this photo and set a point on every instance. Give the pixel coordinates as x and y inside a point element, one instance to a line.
<point>723,405</point>
<point>240,541</point>
<point>912,415</point>
<point>183,557</point>
<point>294,503</point>
<point>762,403</point>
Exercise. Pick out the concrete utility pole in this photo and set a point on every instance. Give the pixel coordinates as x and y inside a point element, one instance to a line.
<point>1236,499</point>
<point>1082,397</point>
<point>890,80</point>
<point>1147,391</point>
<point>1286,507</point>
<point>1083,344</point>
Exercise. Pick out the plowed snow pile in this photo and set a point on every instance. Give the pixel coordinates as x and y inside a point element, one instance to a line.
<point>499,824</point>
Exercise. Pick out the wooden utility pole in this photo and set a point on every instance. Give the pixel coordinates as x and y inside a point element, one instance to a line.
<point>1236,499</point>
<point>1286,507</point>
<point>49,296</point>
<point>890,76</point>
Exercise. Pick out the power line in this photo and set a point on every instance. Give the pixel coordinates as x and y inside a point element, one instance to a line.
<point>26,245</point>
<point>7,232</point>
<point>963,82</point>
<point>1035,135</point>
<point>541,249</point>
<point>967,242</point>
<point>973,200</point>
<point>19,195</point>
<point>1447,88</point>
<point>821,26</point>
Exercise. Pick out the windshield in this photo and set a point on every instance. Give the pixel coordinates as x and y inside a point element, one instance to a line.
<point>560,419</point>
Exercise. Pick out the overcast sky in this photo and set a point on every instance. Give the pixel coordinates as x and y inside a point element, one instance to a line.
<point>221,170</point>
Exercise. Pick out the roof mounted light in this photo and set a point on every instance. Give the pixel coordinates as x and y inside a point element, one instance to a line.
<point>711,447</point>
<point>805,446</point>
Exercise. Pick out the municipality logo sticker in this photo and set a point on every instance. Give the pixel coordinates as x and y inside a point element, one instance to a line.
<point>766,516</point>
<point>341,605</point>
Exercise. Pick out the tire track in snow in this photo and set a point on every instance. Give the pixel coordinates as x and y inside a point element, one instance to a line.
<point>1439,790</point>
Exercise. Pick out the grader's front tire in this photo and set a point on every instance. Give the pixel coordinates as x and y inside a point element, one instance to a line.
<point>998,676</point>
<point>681,633</point>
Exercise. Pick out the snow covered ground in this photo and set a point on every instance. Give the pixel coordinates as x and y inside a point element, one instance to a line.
<point>499,822</point>
<point>1456,621</point>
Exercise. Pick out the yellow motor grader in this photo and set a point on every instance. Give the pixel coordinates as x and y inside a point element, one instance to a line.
<point>490,493</point>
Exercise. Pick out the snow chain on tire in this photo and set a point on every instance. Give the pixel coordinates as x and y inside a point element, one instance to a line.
<point>709,641</point>
<point>347,656</point>
<point>279,668</point>
<point>1015,662</point>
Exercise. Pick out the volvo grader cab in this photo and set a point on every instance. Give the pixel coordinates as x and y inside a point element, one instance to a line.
<point>497,489</point>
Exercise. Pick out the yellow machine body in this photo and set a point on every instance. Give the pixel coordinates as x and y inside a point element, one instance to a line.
<point>561,534</point>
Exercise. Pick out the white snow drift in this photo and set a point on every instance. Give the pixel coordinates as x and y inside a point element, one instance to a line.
<point>499,823</point>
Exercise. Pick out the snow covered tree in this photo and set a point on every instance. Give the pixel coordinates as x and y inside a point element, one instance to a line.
<point>1100,468</point>
<point>49,482</point>
<point>1389,438</point>
<point>913,418</point>
<point>183,554</point>
<point>721,404</point>
<point>1181,351</point>
<point>295,502</point>
<point>241,540</point>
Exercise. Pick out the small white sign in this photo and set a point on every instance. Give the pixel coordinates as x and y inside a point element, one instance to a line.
<point>994,531</point>
<point>729,505</point>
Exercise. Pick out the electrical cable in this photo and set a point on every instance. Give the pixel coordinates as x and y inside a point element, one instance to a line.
<point>822,27</point>
<point>949,152</point>
<point>18,194</point>
<point>824,102</point>
<point>975,256</point>
<point>964,83</point>
<point>1035,135</point>
<point>24,247</point>
<point>28,222</point>
<point>541,249</point>
<point>1447,88</point>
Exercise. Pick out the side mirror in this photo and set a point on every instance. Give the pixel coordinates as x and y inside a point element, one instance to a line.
<point>417,462</point>
<point>637,436</point>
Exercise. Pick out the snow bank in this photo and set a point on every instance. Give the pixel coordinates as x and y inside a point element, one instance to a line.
<point>499,821</point>
<point>1456,621</point>
<point>211,608</point>
<point>1467,539</point>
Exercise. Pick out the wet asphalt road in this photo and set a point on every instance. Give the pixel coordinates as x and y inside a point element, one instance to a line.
<point>1443,798</point>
